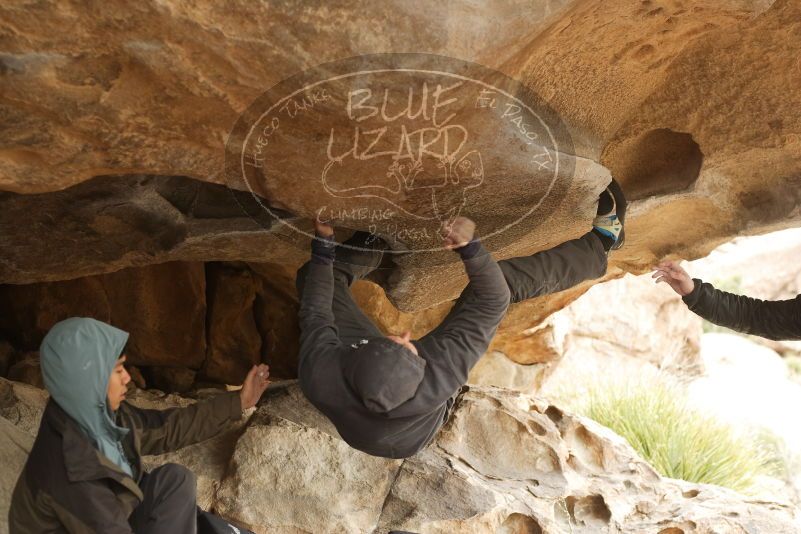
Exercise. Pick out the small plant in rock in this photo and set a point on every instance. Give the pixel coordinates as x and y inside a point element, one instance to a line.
<point>677,440</point>
<point>794,367</point>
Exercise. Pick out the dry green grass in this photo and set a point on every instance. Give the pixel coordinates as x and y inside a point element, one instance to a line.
<point>794,367</point>
<point>677,440</point>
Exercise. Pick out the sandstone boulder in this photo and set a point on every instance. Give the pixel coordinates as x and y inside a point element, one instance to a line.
<point>28,370</point>
<point>134,220</point>
<point>497,369</point>
<point>505,462</point>
<point>621,330</point>
<point>129,85</point>
<point>289,472</point>
<point>130,103</point>
<point>22,405</point>
<point>21,408</point>
<point>333,487</point>
<point>15,445</point>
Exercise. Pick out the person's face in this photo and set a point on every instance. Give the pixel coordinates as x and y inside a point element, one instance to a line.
<point>118,384</point>
<point>405,340</point>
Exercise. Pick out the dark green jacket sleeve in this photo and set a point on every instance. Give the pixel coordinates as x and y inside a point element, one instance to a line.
<point>92,508</point>
<point>83,508</point>
<point>772,319</point>
<point>169,430</point>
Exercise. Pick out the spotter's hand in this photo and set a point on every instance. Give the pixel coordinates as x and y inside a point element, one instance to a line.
<point>255,383</point>
<point>671,273</point>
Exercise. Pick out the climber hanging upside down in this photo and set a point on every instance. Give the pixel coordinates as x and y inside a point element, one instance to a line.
<point>389,395</point>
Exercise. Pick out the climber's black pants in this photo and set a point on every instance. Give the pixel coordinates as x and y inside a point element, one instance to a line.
<point>545,272</point>
<point>555,269</point>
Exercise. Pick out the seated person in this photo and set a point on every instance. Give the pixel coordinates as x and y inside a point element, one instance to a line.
<point>84,473</point>
<point>389,395</point>
<point>777,319</point>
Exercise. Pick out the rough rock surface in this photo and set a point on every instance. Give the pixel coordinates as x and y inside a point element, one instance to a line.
<point>109,223</point>
<point>164,303</point>
<point>21,409</point>
<point>678,101</point>
<point>28,370</point>
<point>22,405</point>
<point>332,487</point>
<point>15,445</point>
<point>142,100</point>
<point>276,313</point>
<point>6,357</point>
<point>623,329</point>
<point>213,320</point>
<point>505,463</point>
<point>113,152</point>
<point>233,337</point>
<point>220,318</point>
<point>496,369</point>
<point>112,156</point>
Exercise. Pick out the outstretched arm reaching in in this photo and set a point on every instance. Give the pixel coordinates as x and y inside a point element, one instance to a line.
<point>772,319</point>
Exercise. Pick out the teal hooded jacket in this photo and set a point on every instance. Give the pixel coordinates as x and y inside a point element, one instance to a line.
<point>75,478</point>
<point>77,357</point>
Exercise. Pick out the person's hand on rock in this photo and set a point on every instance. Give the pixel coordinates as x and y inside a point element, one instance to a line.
<point>458,233</point>
<point>671,273</point>
<point>255,383</point>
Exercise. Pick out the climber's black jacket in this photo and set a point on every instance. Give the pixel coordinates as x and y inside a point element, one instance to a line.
<point>776,319</point>
<point>382,399</point>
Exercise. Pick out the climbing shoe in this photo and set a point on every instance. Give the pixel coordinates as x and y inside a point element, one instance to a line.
<point>610,218</point>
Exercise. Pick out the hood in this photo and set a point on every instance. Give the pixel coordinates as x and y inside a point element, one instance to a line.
<point>383,373</point>
<point>77,357</point>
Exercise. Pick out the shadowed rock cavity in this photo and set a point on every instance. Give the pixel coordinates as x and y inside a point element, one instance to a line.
<point>189,321</point>
<point>588,514</point>
<point>520,524</point>
<point>112,222</point>
<point>658,162</point>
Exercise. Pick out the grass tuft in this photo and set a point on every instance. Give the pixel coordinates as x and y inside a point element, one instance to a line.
<point>678,441</point>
